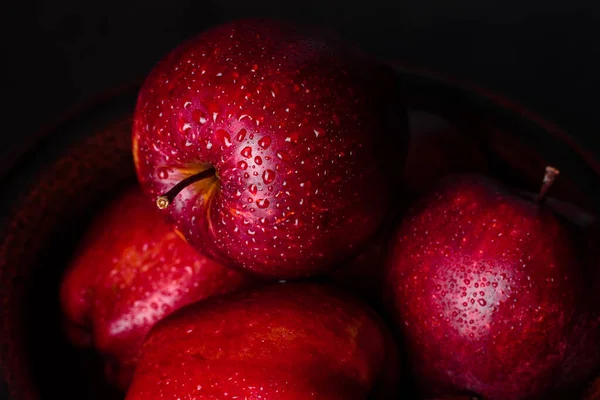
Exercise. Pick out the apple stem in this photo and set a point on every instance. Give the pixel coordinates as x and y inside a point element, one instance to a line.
<point>549,177</point>
<point>165,200</point>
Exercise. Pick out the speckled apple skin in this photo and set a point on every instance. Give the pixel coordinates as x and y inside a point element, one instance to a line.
<point>281,342</point>
<point>131,270</point>
<point>488,291</point>
<point>302,131</point>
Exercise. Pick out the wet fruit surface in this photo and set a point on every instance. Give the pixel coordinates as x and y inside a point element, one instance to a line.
<point>489,292</point>
<point>294,124</point>
<point>283,342</point>
<point>130,271</point>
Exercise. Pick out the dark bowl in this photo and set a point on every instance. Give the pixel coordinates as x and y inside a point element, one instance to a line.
<point>53,190</point>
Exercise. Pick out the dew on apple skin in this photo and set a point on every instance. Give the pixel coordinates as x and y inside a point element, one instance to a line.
<point>242,165</point>
<point>257,160</point>
<point>199,117</point>
<point>265,142</point>
<point>293,138</point>
<point>319,132</point>
<point>246,152</point>
<point>223,137</point>
<point>253,189</point>
<point>241,135</point>
<point>268,176</point>
<point>482,302</point>
<point>162,173</point>
<point>246,175</point>
<point>184,126</point>
<point>262,203</point>
<point>282,155</point>
<point>255,173</point>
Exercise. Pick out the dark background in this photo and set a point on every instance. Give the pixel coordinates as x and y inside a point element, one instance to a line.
<point>59,55</point>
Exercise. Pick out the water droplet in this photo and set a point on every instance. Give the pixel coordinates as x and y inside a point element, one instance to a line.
<point>265,142</point>
<point>246,175</point>
<point>184,126</point>
<point>258,160</point>
<point>242,165</point>
<point>268,176</point>
<point>246,152</point>
<point>162,172</point>
<point>262,203</point>
<point>241,135</point>
<point>253,189</point>
<point>495,284</point>
<point>471,335</point>
<point>472,301</point>
<point>319,132</point>
<point>223,137</point>
<point>476,285</point>
<point>482,293</point>
<point>255,173</point>
<point>249,199</point>
<point>438,287</point>
<point>293,138</point>
<point>482,302</point>
<point>213,110</point>
<point>282,155</point>
<point>465,304</point>
<point>199,116</point>
<point>467,282</point>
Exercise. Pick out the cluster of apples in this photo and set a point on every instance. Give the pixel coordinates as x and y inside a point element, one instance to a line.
<point>269,153</point>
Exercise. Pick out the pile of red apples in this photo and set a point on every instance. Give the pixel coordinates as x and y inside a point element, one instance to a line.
<point>298,234</point>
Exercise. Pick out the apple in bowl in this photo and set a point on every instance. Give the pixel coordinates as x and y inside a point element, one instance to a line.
<point>270,146</point>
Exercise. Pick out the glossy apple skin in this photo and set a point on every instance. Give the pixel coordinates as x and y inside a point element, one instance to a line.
<point>302,130</point>
<point>131,270</point>
<point>489,294</point>
<point>279,342</point>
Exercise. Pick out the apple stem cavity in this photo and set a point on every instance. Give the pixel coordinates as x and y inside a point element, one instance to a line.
<point>549,178</point>
<point>165,200</point>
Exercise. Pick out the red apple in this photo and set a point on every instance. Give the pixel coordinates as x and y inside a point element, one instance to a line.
<point>437,148</point>
<point>131,270</point>
<point>281,342</point>
<point>268,145</point>
<point>490,294</point>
